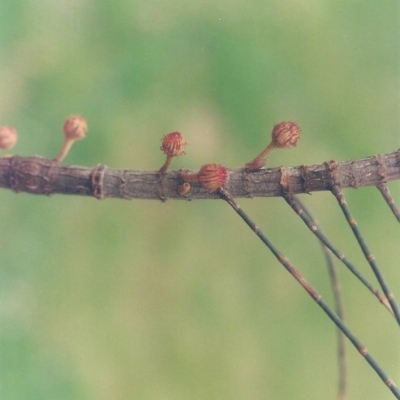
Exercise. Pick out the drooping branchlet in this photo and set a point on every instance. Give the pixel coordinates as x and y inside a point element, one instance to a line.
<point>173,145</point>
<point>75,128</point>
<point>284,136</point>
<point>210,176</point>
<point>8,137</point>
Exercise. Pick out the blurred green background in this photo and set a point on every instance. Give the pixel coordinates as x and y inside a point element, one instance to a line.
<point>175,301</point>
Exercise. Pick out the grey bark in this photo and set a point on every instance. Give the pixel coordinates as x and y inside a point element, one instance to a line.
<point>39,175</point>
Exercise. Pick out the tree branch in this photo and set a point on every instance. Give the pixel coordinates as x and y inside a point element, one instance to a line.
<point>39,175</point>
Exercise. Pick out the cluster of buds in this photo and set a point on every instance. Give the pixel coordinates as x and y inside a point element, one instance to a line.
<point>213,176</point>
<point>75,128</point>
<point>210,176</point>
<point>8,137</point>
<point>284,136</point>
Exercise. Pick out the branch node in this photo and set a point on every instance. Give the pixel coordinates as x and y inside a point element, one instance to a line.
<point>97,181</point>
<point>354,183</point>
<point>284,180</point>
<point>246,181</point>
<point>333,173</point>
<point>381,168</point>
<point>12,179</point>
<point>304,176</point>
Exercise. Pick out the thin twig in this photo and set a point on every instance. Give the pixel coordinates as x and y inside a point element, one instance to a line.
<point>317,232</point>
<point>365,249</point>
<point>333,274</point>
<point>224,193</point>
<point>342,360</point>
<point>39,175</point>
<point>389,199</point>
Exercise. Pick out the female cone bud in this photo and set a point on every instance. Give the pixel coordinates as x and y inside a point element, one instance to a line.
<point>284,136</point>
<point>210,176</point>
<point>75,128</point>
<point>8,137</point>
<point>173,145</point>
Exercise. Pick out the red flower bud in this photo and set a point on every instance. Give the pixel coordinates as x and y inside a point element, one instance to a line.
<point>284,136</point>
<point>75,128</point>
<point>210,176</point>
<point>8,137</point>
<point>173,145</point>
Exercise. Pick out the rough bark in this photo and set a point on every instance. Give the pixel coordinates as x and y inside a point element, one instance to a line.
<point>39,175</point>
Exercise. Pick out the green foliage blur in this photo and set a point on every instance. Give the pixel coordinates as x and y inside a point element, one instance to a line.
<point>179,300</point>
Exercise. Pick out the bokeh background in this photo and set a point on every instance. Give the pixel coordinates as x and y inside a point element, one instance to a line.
<point>179,300</point>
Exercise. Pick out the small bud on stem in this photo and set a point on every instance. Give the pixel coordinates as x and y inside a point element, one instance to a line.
<point>210,176</point>
<point>284,136</point>
<point>75,128</point>
<point>184,189</point>
<point>8,137</point>
<point>173,145</point>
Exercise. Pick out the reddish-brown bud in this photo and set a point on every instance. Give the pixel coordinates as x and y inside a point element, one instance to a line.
<point>173,145</point>
<point>285,135</point>
<point>8,137</point>
<point>184,189</point>
<point>210,176</point>
<point>75,128</point>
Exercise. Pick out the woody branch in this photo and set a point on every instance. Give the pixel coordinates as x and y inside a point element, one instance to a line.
<point>39,175</point>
